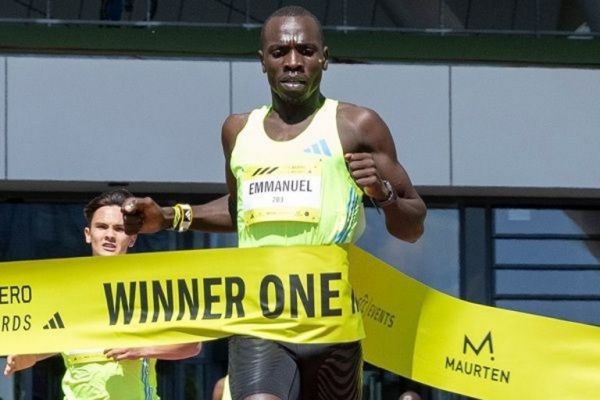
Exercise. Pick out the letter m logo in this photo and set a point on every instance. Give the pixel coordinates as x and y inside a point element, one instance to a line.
<point>486,340</point>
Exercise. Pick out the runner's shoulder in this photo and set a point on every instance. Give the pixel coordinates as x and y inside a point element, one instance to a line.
<point>358,120</point>
<point>236,121</point>
<point>233,125</point>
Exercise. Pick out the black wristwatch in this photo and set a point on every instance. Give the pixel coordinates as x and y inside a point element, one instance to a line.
<point>392,196</point>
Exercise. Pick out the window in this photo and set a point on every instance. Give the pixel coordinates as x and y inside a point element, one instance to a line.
<point>434,260</point>
<point>548,262</point>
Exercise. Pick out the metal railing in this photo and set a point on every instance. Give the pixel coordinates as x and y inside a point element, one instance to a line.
<point>434,17</point>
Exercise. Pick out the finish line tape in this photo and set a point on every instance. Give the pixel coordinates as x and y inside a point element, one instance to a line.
<point>303,295</point>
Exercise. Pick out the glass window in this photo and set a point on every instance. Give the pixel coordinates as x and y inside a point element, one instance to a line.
<point>546,222</point>
<point>218,240</point>
<point>461,15</point>
<point>36,231</point>
<point>547,251</point>
<point>433,260</point>
<point>578,311</point>
<point>548,262</point>
<point>33,231</point>
<point>559,283</point>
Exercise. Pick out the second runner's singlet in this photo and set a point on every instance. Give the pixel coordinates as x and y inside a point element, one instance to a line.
<point>90,375</point>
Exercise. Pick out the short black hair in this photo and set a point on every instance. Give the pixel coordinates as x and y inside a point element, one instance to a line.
<point>292,11</point>
<point>111,198</point>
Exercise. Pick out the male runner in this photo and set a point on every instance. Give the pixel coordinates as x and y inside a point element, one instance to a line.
<point>124,373</point>
<point>318,156</point>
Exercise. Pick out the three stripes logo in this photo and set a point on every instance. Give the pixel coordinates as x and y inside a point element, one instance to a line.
<point>319,148</point>
<point>55,322</point>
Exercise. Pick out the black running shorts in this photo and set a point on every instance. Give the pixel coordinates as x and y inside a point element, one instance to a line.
<point>294,371</point>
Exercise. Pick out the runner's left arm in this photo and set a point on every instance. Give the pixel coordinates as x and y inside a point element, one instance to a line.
<point>377,162</point>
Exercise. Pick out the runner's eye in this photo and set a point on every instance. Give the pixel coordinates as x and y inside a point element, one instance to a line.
<point>307,51</point>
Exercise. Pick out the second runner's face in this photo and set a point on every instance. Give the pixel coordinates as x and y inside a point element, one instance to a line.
<point>293,57</point>
<point>106,232</point>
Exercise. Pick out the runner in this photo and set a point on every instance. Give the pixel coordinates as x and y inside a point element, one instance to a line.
<point>124,373</point>
<point>296,173</point>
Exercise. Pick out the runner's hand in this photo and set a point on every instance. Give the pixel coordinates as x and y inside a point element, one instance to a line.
<point>18,363</point>
<point>364,172</point>
<point>124,354</point>
<point>142,215</point>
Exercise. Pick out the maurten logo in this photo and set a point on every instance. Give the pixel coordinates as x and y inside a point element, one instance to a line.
<point>480,349</point>
<point>55,322</point>
<point>487,340</point>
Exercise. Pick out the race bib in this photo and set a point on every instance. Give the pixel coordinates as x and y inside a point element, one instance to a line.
<point>282,193</point>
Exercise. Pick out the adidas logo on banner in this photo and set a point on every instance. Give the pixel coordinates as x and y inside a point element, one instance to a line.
<point>55,322</point>
<point>319,148</point>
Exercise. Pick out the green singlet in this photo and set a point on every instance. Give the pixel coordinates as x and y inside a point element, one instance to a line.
<point>295,192</point>
<point>88,377</point>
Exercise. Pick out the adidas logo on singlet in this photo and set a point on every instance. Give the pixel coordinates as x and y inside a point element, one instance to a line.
<point>319,148</point>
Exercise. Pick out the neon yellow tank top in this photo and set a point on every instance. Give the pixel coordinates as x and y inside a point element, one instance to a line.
<point>100,380</point>
<point>295,192</point>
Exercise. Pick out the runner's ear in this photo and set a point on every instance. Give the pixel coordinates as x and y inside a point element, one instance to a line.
<point>132,241</point>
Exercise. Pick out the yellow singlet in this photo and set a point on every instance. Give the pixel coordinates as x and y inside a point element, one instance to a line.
<point>295,192</point>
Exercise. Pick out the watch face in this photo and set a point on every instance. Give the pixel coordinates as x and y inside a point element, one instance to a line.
<point>391,195</point>
<point>389,188</point>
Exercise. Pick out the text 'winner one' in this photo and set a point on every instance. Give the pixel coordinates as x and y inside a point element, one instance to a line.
<point>292,296</point>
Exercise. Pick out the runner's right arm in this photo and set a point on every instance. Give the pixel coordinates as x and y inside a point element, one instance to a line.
<point>144,215</point>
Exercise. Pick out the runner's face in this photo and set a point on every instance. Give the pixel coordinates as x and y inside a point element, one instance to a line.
<point>293,57</point>
<point>106,233</point>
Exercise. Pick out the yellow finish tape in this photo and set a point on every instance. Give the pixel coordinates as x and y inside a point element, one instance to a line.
<point>299,294</point>
<point>483,352</point>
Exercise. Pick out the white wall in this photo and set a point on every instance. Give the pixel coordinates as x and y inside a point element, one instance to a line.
<point>116,120</point>
<point>413,100</point>
<point>527,127</point>
<point>154,120</point>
